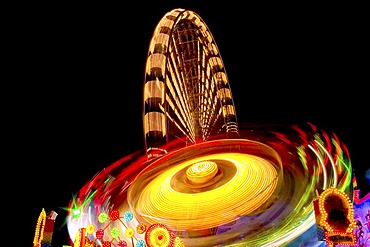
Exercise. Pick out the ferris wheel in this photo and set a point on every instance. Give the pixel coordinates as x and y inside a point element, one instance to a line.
<point>186,89</point>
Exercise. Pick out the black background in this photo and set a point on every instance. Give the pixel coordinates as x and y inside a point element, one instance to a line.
<point>78,71</point>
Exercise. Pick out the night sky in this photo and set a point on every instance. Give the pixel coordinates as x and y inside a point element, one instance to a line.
<point>81,74</point>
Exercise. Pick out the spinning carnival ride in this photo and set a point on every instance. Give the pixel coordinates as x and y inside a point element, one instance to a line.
<point>204,179</point>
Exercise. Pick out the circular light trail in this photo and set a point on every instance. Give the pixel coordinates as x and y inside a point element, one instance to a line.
<point>240,184</point>
<point>260,194</point>
<point>202,172</point>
